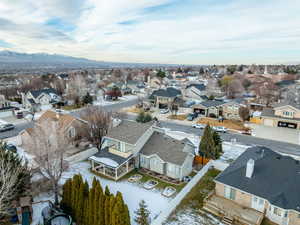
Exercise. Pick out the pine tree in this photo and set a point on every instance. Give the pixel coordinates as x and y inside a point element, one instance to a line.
<point>107,192</point>
<point>107,209</point>
<point>218,144</point>
<point>142,214</point>
<point>207,146</point>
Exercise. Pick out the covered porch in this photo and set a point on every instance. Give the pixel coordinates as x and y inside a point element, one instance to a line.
<point>226,208</point>
<point>110,165</point>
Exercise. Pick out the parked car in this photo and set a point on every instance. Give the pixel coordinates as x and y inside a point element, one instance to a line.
<point>11,147</point>
<point>220,129</point>
<point>192,116</point>
<point>6,127</point>
<point>199,126</point>
<point>164,111</point>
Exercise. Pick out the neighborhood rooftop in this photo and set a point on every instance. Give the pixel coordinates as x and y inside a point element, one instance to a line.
<point>167,148</point>
<point>129,131</point>
<point>275,177</point>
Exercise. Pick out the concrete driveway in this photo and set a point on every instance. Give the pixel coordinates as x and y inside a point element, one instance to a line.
<point>276,133</point>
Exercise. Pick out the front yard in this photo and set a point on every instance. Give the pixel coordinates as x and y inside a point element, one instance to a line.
<point>178,117</point>
<point>229,124</point>
<point>132,193</point>
<point>189,208</point>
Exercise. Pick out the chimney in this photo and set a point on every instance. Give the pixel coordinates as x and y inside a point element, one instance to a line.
<point>250,168</point>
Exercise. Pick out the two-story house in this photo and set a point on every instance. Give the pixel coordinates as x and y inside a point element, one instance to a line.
<point>260,183</point>
<point>70,125</point>
<point>164,98</point>
<point>196,91</point>
<point>282,115</point>
<point>129,145</point>
<point>42,99</point>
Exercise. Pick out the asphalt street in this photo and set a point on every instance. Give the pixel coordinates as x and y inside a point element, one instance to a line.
<point>278,146</point>
<point>22,126</point>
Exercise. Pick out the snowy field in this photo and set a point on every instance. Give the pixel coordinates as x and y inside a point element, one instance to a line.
<point>132,193</point>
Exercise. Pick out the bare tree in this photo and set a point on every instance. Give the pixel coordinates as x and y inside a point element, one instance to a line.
<point>98,121</point>
<point>48,145</point>
<point>76,86</point>
<point>244,113</point>
<point>9,182</point>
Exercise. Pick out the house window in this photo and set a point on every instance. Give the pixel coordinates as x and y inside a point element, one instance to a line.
<point>277,211</point>
<point>286,113</point>
<point>230,193</point>
<point>72,132</point>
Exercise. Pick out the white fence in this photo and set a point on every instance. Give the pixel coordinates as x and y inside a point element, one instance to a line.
<point>82,155</point>
<point>163,216</point>
<point>176,201</point>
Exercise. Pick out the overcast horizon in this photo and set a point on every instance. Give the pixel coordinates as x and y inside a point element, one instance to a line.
<point>155,31</point>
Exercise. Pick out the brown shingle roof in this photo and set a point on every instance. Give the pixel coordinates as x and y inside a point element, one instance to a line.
<point>64,120</point>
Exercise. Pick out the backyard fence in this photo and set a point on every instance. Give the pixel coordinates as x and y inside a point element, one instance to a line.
<point>82,155</point>
<point>163,216</point>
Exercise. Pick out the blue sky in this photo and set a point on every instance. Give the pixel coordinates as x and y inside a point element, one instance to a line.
<point>155,31</point>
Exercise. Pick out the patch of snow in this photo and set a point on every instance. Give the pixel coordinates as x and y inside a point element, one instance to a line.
<point>192,217</point>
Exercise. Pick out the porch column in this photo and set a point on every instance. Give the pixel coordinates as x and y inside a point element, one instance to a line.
<point>116,173</point>
<point>104,170</point>
<point>93,165</point>
<point>127,165</point>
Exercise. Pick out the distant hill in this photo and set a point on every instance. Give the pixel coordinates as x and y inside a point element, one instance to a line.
<point>15,61</point>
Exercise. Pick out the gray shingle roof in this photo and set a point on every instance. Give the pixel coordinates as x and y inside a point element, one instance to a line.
<point>168,92</point>
<point>210,103</point>
<point>275,177</point>
<point>37,93</point>
<point>200,87</point>
<point>129,131</point>
<point>104,153</point>
<point>167,148</point>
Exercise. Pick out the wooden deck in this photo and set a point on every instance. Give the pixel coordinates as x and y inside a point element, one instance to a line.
<point>223,207</point>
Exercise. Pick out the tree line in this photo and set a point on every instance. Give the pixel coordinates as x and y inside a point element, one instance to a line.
<point>93,206</point>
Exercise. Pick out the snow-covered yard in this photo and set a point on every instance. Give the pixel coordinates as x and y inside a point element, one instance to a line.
<point>132,193</point>
<point>193,217</point>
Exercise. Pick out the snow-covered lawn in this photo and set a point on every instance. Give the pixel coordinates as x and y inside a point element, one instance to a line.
<point>132,193</point>
<point>193,217</point>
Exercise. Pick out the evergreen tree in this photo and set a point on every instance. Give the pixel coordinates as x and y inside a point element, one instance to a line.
<point>107,192</point>
<point>207,146</point>
<point>142,214</point>
<point>87,99</point>
<point>218,144</point>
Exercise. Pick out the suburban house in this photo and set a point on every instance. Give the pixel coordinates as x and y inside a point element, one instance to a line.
<point>70,125</point>
<point>165,98</point>
<point>42,99</point>
<point>260,183</point>
<point>6,109</point>
<point>129,145</point>
<point>216,108</point>
<point>282,115</point>
<point>196,91</point>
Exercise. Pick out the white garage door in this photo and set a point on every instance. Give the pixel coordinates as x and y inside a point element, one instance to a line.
<point>46,107</point>
<point>268,122</point>
<point>5,114</point>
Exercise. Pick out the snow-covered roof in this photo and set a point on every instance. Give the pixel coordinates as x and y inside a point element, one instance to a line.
<point>106,161</point>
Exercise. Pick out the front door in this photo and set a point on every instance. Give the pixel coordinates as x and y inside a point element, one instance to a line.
<point>258,203</point>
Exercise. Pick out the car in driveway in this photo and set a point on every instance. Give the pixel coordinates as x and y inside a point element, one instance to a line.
<point>219,129</point>
<point>164,111</point>
<point>199,126</point>
<point>6,127</point>
<point>192,116</point>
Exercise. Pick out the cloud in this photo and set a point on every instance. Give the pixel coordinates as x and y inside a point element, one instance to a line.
<point>164,31</point>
